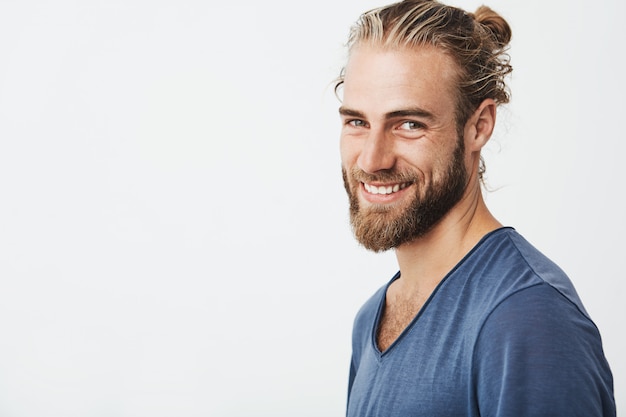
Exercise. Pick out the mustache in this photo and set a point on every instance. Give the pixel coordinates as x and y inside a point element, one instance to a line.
<point>384,176</point>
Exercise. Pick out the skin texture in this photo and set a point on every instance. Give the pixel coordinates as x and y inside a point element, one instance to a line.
<point>399,129</point>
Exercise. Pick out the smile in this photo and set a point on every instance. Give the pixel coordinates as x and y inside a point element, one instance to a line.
<point>385,189</point>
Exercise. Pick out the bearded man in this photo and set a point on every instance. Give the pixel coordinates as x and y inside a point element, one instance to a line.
<point>477,322</point>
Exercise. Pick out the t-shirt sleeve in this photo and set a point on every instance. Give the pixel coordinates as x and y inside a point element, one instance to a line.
<point>539,355</point>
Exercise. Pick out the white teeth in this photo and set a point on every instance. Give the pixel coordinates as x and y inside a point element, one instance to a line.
<point>389,189</point>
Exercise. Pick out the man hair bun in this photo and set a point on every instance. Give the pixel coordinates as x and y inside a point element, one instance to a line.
<point>491,20</point>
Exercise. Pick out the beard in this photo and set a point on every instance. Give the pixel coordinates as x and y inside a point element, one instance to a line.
<point>383,227</point>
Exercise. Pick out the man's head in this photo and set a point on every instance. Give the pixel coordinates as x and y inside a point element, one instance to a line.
<point>476,41</point>
<point>419,95</point>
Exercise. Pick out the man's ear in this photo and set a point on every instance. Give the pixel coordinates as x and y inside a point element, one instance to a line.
<point>480,125</point>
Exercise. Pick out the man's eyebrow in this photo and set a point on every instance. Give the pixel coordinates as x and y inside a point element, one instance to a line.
<point>344,111</point>
<point>412,112</point>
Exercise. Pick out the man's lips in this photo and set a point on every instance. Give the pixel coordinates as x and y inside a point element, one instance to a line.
<point>385,189</point>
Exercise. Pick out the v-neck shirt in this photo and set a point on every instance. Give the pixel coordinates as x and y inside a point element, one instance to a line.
<point>503,334</point>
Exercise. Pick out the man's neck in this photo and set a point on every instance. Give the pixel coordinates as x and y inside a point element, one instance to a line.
<point>425,262</point>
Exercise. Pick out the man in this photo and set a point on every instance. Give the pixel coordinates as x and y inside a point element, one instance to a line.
<point>477,322</point>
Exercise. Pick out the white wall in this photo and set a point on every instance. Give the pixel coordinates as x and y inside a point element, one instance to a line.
<point>173,227</point>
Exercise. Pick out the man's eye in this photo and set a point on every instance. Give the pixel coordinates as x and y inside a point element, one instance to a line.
<point>410,125</point>
<point>357,123</point>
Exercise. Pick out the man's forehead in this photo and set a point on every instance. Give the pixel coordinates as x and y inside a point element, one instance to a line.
<point>398,78</point>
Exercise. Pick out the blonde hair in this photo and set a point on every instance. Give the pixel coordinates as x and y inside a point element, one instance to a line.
<point>476,41</point>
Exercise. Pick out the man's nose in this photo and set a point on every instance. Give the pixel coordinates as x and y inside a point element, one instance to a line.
<point>377,152</point>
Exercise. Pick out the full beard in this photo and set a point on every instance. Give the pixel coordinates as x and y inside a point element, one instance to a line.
<point>381,227</point>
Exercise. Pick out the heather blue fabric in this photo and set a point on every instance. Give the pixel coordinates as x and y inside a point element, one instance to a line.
<point>504,334</point>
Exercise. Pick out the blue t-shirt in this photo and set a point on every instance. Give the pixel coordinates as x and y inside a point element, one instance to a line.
<point>503,334</point>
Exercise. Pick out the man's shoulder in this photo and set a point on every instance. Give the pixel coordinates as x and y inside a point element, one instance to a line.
<point>511,262</point>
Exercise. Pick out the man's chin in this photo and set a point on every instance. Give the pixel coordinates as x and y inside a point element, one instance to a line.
<point>375,246</point>
<point>375,230</point>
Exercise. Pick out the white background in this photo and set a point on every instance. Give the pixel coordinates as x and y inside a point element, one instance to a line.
<point>173,228</point>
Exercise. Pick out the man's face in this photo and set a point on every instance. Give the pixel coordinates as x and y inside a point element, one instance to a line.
<point>403,162</point>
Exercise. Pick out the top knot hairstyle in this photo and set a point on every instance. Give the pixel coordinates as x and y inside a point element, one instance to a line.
<point>476,41</point>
